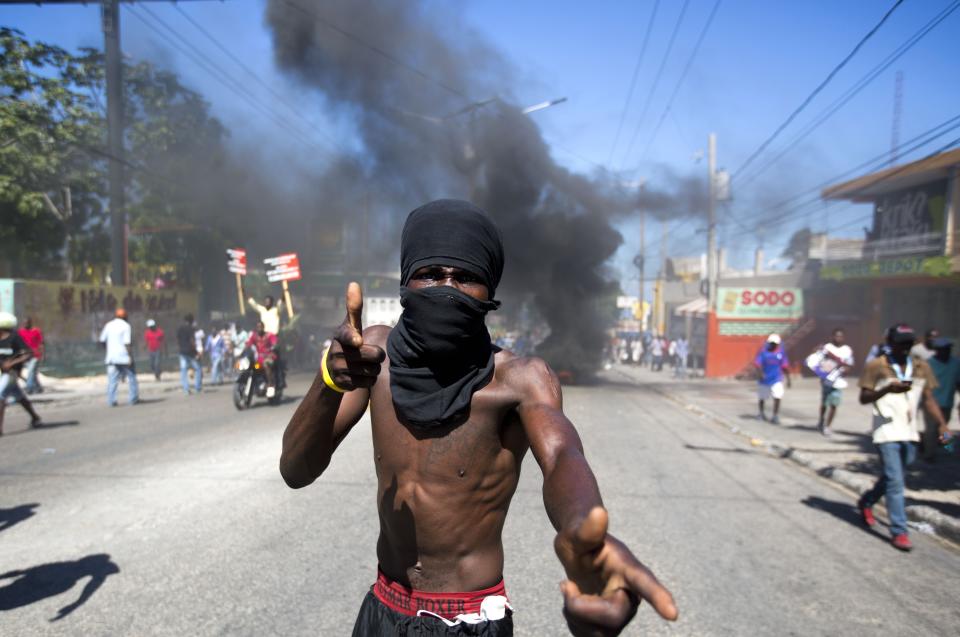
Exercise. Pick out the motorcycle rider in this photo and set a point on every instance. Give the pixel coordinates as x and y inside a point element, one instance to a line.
<point>266,346</point>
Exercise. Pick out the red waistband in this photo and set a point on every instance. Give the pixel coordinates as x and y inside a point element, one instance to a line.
<point>408,601</point>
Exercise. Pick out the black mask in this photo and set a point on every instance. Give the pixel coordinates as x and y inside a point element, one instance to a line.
<point>440,354</point>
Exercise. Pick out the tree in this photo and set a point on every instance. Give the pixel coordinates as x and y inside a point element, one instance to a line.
<point>50,186</point>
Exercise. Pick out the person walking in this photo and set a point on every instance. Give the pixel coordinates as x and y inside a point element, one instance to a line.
<point>190,354</point>
<point>216,345</point>
<point>773,370</point>
<point>656,348</point>
<point>156,342</point>
<point>683,354</point>
<point>895,384</point>
<point>834,359</point>
<point>33,337</point>
<point>946,369</point>
<point>115,338</point>
<point>14,352</point>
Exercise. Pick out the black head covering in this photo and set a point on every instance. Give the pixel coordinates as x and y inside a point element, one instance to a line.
<point>454,233</point>
<point>440,351</point>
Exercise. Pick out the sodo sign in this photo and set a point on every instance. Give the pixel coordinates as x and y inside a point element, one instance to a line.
<point>760,303</point>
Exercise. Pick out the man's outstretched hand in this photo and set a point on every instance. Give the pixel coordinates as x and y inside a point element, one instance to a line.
<point>350,362</point>
<point>606,583</point>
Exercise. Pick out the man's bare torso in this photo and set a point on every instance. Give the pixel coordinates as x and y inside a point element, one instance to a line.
<point>443,494</point>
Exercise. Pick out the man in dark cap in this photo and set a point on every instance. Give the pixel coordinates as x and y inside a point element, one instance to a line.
<point>895,383</point>
<point>452,418</point>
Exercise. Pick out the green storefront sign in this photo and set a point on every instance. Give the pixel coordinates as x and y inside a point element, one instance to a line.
<point>905,266</point>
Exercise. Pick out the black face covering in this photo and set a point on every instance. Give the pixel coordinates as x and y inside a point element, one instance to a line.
<point>440,351</point>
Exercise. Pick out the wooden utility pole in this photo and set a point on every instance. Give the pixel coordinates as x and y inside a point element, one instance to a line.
<point>712,274</point>
<point>110,21</point>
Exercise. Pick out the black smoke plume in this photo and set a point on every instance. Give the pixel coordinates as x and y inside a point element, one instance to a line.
<point>433,109</point>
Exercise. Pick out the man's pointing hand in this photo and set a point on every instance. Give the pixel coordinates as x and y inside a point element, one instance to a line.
<point>350,363</point>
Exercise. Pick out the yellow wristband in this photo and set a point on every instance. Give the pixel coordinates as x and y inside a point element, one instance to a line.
<point>327,378</point>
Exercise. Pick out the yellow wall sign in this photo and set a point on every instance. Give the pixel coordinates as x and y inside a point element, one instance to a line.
<point>904,266</point>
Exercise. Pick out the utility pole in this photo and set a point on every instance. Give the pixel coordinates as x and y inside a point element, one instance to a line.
<point>712,274</point>
<point>110,19</point>
<point>662,282</point>
<point>641,258</point>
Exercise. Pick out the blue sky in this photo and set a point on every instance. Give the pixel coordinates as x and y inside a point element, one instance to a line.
<point>759,60</point>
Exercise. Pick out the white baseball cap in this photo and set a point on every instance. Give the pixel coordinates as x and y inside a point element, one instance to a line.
<point>7,321</point>
<point>151,322</point>
<point>774,338</point>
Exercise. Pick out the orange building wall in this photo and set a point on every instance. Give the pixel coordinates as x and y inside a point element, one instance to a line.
<point>728,355</point>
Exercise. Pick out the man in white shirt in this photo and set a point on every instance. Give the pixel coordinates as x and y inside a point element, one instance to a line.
<point>269,313</point>
<point>895,384</point>
<point>115,337</point>
<point>837,359</point>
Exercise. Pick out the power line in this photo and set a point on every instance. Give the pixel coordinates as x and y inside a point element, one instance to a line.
<point>656,81</point>
<point>818,89</point>
<point>217,72</point>
<point>683,76</point>
<point>867,79</point>
<point>904,149</point>
<point>276,95</point>
<point>633,80</point>
<point>372,47</point>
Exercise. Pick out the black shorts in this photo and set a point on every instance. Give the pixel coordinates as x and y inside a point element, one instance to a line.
<point>376,620</point>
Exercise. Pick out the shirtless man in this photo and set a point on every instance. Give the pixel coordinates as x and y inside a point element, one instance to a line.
<point>452,418</point>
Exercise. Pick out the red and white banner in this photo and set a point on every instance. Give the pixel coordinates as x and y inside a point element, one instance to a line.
<point>237,262</point>
<point>285,267</point>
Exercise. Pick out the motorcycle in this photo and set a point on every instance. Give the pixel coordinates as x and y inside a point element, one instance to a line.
<point>252,380</point>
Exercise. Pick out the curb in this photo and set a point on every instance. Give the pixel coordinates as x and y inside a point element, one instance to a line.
<point>943,525</point>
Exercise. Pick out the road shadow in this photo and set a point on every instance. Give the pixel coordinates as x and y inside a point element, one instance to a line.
<point>53,424</point>
<point>947,508</point>
<point>842,511</point>
<point>149,401</point>
<point>286,400</point>
<point>724,449</point>
<point>15,515</point>
<point>37,583</point>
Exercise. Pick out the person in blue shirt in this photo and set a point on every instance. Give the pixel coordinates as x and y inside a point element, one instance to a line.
<point>772,371</point>
<point>946,368</point>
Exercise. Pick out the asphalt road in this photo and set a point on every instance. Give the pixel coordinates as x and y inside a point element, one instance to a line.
<point>174,519</point>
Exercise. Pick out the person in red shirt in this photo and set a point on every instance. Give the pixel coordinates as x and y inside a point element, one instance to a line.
<point>154,337</point>
<point>33,337</point>
<point>266,345</point>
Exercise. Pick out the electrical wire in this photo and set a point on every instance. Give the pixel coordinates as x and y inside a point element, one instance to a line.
<point>816,91</point>
<point>633,79</point>
<point>656,81</point>
<point>683,76</point>
<point>218,74</point>
<point>867,79</point>
<point>259,80</point>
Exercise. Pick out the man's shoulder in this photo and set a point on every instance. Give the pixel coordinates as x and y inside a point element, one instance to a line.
<point>525,373</point>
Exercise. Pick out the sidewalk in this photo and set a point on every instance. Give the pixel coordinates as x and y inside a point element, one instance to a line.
<point>848,457</point>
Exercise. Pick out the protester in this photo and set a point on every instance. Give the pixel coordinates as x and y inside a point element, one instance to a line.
<point>452,418</point>
<point>895,384</point>
<point>217,346</point>
<point>190,354</point>
<point>833,360</point>
<point>33,337</point>
<point>636,351</point>
<point>265,344</point>
<point>946,369</point>
<point>115,337</point>
<point>14,352</point>
<point>925,349</point>
<point>155,338</point>
<point>269,313</point>
<point>683,355</point>
<point>773,370</point>
<point>656,349</point>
